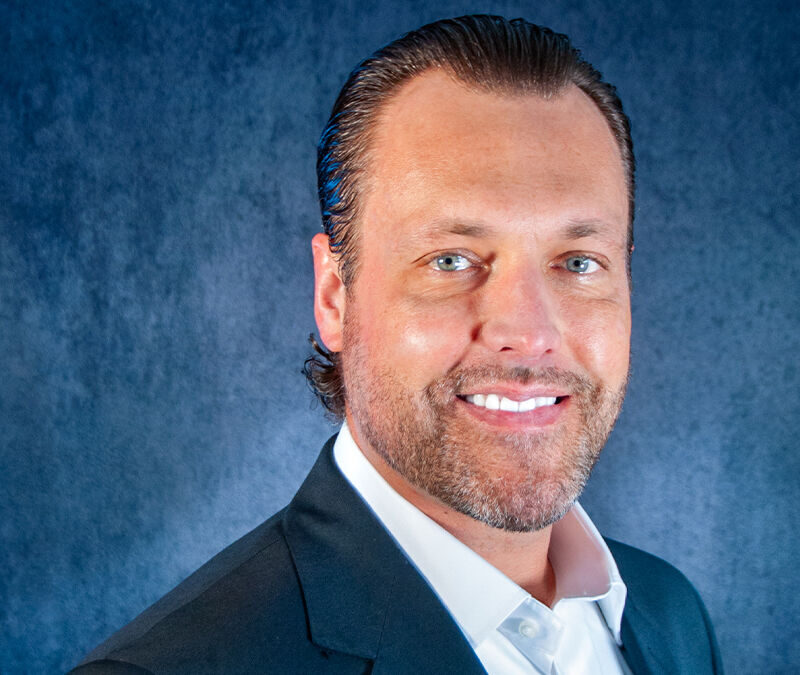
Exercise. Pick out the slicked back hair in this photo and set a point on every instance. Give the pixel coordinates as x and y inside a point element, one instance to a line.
<point>488,53</point>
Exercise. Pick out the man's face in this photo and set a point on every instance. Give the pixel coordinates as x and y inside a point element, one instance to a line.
<point>492,272</point>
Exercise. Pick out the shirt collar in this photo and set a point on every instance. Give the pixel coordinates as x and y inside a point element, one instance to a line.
<point>478,595</point>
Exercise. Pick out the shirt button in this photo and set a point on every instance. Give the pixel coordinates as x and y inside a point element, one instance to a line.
<point>528,629</point>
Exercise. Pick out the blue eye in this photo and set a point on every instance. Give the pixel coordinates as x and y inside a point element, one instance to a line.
<point>580,264</point>
<point>451,262</point>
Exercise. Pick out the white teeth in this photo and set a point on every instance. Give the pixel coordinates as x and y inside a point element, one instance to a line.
<point>492,402</point>
<point>508,405</point>
<point>495,402</point>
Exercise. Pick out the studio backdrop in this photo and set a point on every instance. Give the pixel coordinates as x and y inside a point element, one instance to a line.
<point>157,198</point>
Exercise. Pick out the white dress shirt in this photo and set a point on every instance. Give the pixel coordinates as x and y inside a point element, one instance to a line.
<point>510,631</point>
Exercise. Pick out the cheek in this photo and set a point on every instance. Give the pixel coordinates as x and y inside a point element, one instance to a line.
<point>600,338</point>
<point>426,338</point>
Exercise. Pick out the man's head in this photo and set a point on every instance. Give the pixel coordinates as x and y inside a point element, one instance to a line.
<point>485,52</point>
<point>476,180</point>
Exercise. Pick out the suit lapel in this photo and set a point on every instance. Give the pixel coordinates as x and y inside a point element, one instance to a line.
<point>419,635</point>
<point>643,648</point>
<point>362,595</point>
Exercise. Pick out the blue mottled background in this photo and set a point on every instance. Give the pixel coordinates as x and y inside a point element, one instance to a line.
<point>157,196</point>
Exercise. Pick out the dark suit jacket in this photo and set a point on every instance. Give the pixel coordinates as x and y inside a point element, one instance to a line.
<point>321,587</point>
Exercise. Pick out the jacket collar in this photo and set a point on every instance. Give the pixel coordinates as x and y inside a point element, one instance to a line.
<point>363,597</point>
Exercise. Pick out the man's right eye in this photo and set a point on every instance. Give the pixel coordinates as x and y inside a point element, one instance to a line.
<point>451,262</point>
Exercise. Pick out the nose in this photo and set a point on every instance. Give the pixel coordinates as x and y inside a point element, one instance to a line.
<point>519,315</point>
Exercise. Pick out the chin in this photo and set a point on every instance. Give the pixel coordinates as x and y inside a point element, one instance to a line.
<point>511,503</point>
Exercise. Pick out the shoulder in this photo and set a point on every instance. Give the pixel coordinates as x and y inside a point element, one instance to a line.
<point>648,577</point>
<point>242,611</point>
<point>655,586</point>
<point>663,605</point>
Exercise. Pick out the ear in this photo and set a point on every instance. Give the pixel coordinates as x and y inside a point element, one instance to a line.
<point>329,293</point>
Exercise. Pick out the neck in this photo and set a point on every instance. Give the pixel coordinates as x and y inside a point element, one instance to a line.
<point>521,556</point>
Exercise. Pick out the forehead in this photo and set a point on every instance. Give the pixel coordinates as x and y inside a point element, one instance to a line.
<point>439,146</point>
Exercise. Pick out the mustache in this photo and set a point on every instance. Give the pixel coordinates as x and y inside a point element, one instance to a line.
<point>472,377</point>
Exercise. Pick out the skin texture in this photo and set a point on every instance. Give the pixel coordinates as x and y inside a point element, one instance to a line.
<point>492,260</point>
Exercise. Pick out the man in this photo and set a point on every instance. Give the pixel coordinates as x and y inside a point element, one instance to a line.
<point>472,292</point>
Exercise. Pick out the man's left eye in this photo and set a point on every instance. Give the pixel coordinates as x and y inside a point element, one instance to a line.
<point>451,262</point>
<point>580,264</point>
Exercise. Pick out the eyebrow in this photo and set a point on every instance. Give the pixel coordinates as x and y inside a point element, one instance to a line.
<point>574,229</point>
<point>462,228</point>
<point>582,229</point>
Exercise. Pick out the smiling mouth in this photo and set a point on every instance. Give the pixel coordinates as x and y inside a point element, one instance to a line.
<point>496,402</point>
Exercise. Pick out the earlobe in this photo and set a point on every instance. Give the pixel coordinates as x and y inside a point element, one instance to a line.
<point>329,294</point>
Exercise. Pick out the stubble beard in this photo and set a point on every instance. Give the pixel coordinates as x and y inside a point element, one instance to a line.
<point>515,481</point>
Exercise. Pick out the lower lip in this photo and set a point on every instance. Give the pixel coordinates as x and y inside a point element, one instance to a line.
<point>542,417</point>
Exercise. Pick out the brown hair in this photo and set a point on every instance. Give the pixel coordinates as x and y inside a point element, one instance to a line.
<point>487,52</point>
